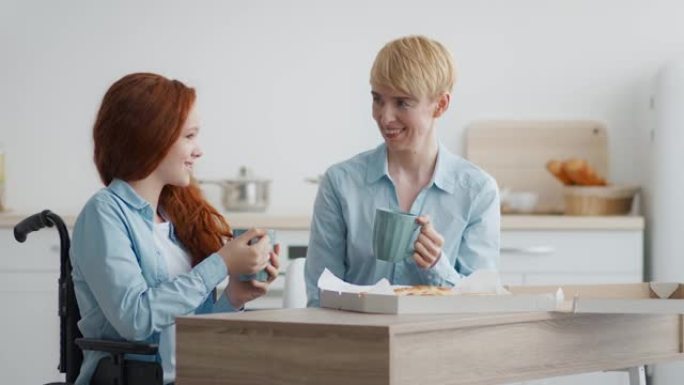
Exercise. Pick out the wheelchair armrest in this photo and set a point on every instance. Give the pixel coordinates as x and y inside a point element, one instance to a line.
<point>116,347</point>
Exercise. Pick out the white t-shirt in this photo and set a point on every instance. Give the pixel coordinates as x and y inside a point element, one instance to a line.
<point>177,262</point>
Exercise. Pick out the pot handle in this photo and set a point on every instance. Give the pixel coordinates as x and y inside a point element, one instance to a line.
<point>212,181</point>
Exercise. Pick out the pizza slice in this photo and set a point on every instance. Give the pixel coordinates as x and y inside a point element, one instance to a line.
<point>424,290</point>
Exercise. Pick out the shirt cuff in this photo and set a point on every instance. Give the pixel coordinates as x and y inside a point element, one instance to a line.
<point>442,272</point>
<point>223,304</point>
<point>212,271</point>
<point>227,297</point>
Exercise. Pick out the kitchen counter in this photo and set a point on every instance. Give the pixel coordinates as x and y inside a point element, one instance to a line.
<point>236,220</point>
<point>565,222</point>
<point>508,222</point>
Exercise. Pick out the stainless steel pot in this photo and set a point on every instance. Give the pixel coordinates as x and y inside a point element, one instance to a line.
<point>244,193</point>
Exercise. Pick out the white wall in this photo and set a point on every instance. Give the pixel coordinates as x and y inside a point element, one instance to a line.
<point>283,85</point>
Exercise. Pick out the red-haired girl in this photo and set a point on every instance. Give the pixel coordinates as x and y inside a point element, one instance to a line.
<point>148,248</point>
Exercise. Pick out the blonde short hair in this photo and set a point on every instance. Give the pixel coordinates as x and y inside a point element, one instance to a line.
<point>415,65</point>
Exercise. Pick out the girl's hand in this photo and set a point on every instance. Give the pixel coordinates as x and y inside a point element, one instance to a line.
<point>242,258</point>
<point>241,292</point>
<point>428,246</point>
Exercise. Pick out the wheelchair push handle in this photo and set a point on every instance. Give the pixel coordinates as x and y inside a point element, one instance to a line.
<point>33,223</point>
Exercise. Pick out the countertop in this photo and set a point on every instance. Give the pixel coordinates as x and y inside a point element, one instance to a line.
<point>508,222</point>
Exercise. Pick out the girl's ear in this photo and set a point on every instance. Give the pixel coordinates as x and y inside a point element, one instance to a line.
<point>443,101</point>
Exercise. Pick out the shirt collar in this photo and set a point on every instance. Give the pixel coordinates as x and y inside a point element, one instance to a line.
<point>124,191</point>
<point>443,177</point>
<point>377,167</point>
<point>377,164</point>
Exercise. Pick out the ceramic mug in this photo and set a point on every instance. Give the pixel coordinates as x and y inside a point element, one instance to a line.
<point>262,275</point>
<point>394,235</point>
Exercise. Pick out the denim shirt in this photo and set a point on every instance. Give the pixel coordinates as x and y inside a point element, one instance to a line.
<point>462,202</point>
<point>120,278</point>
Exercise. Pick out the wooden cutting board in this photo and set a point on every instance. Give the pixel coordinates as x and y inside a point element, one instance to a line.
<point>515,153</point>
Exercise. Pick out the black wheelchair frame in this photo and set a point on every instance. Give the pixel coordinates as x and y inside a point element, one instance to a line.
<point>114,369</point>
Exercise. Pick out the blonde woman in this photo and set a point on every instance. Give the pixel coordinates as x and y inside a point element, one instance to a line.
<point>456,202</point>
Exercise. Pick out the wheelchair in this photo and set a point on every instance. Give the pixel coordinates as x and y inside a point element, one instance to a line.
<point>114,369</point>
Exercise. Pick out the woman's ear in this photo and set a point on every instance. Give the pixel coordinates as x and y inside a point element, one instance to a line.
<point>443,101</point>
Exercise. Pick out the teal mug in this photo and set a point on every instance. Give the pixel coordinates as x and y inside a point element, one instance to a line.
<point>394,235</point>
<point>262,275</point>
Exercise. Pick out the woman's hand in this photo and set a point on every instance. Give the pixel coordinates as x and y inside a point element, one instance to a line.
<point>428,246</point>
<point>241,257</point>
<point>241,292</point>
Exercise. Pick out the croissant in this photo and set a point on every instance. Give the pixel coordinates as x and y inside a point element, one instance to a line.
<point>555,167</point>
<point>579,172</point>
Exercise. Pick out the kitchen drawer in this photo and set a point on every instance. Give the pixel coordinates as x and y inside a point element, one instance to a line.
<point>616,252</point>
<point>595,378</point>
<point>580,279</point>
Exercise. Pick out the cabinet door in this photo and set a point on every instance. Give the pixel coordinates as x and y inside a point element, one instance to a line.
<point>574,256</point>
<point>29,326</point>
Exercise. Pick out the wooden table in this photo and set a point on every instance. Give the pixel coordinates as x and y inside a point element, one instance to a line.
<point>320,346</point>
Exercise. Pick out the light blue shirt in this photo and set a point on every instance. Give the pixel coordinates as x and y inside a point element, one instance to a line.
<point>120,277</point>
<point>461,200</point>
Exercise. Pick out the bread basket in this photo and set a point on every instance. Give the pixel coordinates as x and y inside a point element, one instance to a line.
<point>599,200</point>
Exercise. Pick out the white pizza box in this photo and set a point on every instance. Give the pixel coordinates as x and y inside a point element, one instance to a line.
<point>634,298</point>
<point>479,293</point>
<point>459,303</point>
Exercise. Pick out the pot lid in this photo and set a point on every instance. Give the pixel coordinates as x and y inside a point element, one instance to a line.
<point>246,175</point>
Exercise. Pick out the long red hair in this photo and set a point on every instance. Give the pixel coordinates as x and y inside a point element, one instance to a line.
<point>140,118</point>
